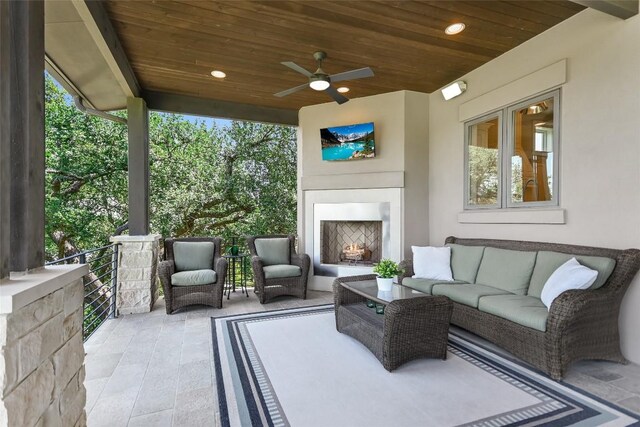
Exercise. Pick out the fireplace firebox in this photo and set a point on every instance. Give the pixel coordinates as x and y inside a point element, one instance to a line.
<point>350,242</point>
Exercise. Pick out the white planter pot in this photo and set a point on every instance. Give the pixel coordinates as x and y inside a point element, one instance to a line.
<point>384,284</point>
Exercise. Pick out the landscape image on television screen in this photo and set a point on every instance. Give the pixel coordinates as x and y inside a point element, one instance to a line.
<point>348,142</point>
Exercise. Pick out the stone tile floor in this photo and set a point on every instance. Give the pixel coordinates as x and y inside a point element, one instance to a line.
<point>156,370</point>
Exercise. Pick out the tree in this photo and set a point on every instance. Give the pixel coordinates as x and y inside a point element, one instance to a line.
<point>204,180</point>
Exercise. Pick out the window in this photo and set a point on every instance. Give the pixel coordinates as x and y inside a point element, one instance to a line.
<point>513,162</point>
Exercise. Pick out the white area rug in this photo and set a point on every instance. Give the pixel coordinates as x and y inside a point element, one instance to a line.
<point>292,367</point>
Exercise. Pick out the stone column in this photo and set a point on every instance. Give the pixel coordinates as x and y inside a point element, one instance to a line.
<point>41,351</point>
<point>137,273</point>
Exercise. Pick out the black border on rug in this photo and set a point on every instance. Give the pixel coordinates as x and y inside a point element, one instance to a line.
<point>584,414</point>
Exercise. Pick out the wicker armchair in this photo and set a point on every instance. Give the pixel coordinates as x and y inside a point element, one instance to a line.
<point>178,296</point>
<point>269,283</point>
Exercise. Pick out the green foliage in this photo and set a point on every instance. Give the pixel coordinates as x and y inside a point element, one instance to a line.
<point>224,181</point>
<point>483,175</point>
<point>386,269</point>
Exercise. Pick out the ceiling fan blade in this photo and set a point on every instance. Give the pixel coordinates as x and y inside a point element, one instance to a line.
<point>340,99</point>
<point>296,67</point>
<point>292,90</point>
<point>360,73</point>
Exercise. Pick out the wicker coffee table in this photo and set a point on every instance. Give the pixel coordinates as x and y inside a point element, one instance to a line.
<point>413,325</point>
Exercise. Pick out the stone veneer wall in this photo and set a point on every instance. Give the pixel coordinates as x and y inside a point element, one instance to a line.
<point>42,361</point>
<point>137,273</point>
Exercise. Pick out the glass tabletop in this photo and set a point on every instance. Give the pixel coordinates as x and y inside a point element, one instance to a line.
<point>369,290</point>
<point>235,256</point>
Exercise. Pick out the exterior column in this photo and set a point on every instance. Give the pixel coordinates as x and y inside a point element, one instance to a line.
<point>137,273</point>
<point>138,252</point>
<point>138,122</point>
<point>21,136</point>
<point>41,350</point>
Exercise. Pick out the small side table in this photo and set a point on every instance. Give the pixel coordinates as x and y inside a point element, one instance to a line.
<point>234,278</point>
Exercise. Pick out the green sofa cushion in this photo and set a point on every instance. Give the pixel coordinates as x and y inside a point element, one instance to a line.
<point>425,285</point>
<point>506,269</point>
<point>547,262</point>
<point>273,251</point>
<point>525,310</point>
<point>194,277</point>
<point>467,294</point>
<point>281,271</point>
<point>193,255</point>
<point>465,261</point>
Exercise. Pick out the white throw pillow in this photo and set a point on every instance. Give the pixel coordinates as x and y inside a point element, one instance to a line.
<point>432,263</point>
<point>570,275</point>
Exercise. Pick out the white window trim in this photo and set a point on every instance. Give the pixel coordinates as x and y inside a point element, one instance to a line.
<point>499,115</point>
<point>508,146</point>
<point>505,144</point>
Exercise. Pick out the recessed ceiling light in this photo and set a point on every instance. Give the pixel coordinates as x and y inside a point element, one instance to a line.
<point>218,74</point>
<point>456,28</point>
<point>343,89</point>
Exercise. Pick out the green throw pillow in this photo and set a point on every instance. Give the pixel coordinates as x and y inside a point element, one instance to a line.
<point>465,261</point>
<point>506,269</point>
<point>273,251</point>
<point>193,255</point>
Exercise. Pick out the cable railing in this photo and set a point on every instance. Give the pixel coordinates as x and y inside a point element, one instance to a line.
<point>100,285</point>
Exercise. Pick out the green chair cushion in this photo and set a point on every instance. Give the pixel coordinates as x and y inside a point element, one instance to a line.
<point>273,251</point>
<point>467,294</point>
<point>465,261</point>
<point>547,262</point>
<point>194,277</point>
<point>524,310</point>
<point>506,269</point>
<point>281,271</point>
<point>425,285</point>
<point>193,255</point>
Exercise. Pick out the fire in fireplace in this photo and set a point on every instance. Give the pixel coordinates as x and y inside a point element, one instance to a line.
<point>350,242</point>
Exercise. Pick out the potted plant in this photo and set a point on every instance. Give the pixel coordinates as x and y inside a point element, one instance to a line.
<point>386,271</point>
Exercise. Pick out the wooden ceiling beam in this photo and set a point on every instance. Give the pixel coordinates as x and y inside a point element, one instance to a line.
<point>623,9</point>
<point>184,104</point>
<point>97,21</point>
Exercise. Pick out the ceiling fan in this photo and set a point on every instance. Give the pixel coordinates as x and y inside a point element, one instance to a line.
<point>321,81</point>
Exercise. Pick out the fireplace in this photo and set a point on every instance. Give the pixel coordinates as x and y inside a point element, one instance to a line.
<point>350,242</point>
<point>348,238</point>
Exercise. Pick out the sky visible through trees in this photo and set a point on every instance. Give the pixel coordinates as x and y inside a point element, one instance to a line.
<point>208,176</point>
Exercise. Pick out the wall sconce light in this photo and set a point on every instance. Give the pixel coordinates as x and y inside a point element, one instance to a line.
<point>453,90</point>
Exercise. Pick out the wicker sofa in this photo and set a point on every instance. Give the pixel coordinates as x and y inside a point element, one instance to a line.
<point>496,295</point>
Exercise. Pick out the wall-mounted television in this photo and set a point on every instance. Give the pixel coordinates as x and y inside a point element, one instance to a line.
<point>348,142</point>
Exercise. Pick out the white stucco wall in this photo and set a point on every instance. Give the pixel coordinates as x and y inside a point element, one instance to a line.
<point>600,143</point>
<point>401,127</point>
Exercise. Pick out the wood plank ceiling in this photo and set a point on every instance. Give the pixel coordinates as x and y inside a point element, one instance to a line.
<point>174,45</point>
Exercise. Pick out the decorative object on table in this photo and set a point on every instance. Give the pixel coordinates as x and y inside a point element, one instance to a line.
<point>379,308</point>
<point>386,270</point>
<point>193,272</point>
<point>371,303</point>
<point>277,268</point>
<point>519,394</point>
<point>348,142</point>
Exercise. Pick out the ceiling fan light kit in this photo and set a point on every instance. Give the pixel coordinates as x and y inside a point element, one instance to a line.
<point>321,81</point>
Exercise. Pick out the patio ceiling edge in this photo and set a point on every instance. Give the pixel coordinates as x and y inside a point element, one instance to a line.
<point>185,104</point>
